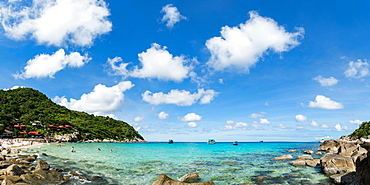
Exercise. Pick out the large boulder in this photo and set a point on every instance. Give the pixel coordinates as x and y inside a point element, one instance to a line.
<point>347,149</point>
<point>42,165</point>
<point>330,146</point>
<point>348,178</point>
<point>283,157</point>
<point>363,169</point>
<point>334,164</point>
<point>14,170</point>
<point>165,180</point>
<point>191,177</point>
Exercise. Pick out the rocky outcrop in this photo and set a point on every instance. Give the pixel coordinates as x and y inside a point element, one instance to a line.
<point>335,164</point>
<point>191,177</point>
<point>283,157</point>
<point>165,180</point>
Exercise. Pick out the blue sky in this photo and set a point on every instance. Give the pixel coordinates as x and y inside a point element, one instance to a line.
<point>192,70</point>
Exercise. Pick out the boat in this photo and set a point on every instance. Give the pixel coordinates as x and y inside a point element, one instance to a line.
<point>211,141</point>
<point>170,141</point>
<point>235,143</point>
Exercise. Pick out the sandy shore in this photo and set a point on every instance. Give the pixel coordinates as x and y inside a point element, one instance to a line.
<point>21,142</point>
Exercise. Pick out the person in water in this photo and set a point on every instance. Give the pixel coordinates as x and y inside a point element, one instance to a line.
<point>99,149</point>
<point>73,149</point>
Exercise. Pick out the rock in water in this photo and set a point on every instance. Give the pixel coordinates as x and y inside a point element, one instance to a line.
<point>165,180</point>
<point>191,177</point>
<point>283,157</point>
<point>42,165</point>
<point>14,170</point>
<point>334,163</point>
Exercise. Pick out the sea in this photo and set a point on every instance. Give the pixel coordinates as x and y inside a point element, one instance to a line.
<point>223,163</point>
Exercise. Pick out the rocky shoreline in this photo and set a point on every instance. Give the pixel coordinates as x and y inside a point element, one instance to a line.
<point>344,161</point>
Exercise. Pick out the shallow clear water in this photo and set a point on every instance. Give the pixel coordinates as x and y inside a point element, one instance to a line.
<point>222,163</point>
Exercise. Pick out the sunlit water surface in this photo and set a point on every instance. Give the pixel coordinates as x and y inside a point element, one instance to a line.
<point>222,163</point>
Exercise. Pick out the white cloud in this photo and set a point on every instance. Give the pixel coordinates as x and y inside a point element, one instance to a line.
<point>180,98</point>
<point>241,47</point>
<point>14,87</point>
<point>156,62</point>
<point>162,115</point>
<point>357,69</point>
<point>100,101</point>
<point>355,122</point>
<point>57,22</point>
<point>326,81</point>
<point>192,124</point>
<point>138,119</point>
<point>314,124</point>
<point>299,128</point>
<point>301,118</point>
<point>191,117</point>
<point>255,115</point>
<point>232,125</point>
<point>340,128</point>
<point>171,16</point>
<point>281,126</point>
<point>324,126</point>
<point>325,103</point>
<point>264,121</point>
<point>44,65</point>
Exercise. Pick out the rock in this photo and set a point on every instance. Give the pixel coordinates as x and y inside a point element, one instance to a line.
<point>13,170</point>
<point>49,175</point>
<point>292,150</point>
<point>334,163</point>
<point>313,163</point>
<point>330,146</point>
<point>363,169</point>
<point>191,177</point>
<point>347,149</point>
<point>307,157</point>
<point>13,179</point>
<point>318,153</point>
<point>299,162</point>
<point>283,157</point>
<point>230,162</point>
<point>308,152</point>
<point>42,165</point>
<point>344,178</point>
<point>165,180</point>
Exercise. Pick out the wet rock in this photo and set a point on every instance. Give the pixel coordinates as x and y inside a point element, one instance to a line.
<point>283,157</point>
<point>292,150</point>
<point>49,175</point>
<point>313,163</point>
<point>344,178</point>
<point>191,177</point>
<point>42,165</point>
<point>334,163</point>
<point>13,179</point>
<point>165,180</point>
<point>309,152</point>
<point>299,162</point>
<point>306,157</point>
<point>13,170</point>
<point>78,175</point>
<point>229,163</point>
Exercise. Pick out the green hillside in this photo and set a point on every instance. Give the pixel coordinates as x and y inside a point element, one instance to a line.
<point>23,106</point>
<point>362,131</point>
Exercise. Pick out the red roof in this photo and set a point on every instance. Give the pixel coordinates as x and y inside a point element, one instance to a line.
<point>23,132</point>
<point>34,132</point>
<point>68,126</point>
<point>17,126</point>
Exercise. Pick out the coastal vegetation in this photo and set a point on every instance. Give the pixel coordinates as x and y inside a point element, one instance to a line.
<point>27,106</point>
<point>362,131</point>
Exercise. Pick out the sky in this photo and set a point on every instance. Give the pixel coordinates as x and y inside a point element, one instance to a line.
<point>190,70</point>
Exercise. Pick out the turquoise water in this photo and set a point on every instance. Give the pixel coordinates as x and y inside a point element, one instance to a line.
<point>222,163</point>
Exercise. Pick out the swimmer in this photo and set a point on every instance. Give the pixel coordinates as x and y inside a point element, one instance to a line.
<point>73,149</point>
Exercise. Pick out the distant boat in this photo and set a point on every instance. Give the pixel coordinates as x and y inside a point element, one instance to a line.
<point>261,141</point>
<point>211,141</point>
<point>170,141</point>
<point>235,143</point>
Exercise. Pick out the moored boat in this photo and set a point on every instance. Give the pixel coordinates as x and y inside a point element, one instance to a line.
<point>170,141</point>
<point>235,143</point>
<point>211,141</point>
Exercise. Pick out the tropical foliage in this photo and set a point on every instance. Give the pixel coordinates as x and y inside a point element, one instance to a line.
<point>362,131</point>
<point>23,106</point>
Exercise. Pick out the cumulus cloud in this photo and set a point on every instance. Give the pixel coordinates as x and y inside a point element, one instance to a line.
<point>340,128</point>
<point>301,118</point>
<point>44,65</point>
<point>14,87</point>
<point>56,22</point>
<point>232,125</point>
<point>191,117</point>
<point>192,124</point>
<point>162,115</point>
<point>324,126</point>
<point>180,98</point>
<point>325,103</point>
<point>171,16</point>
<point>357,69</point>
<point>255,115</point>
<point>326,81</point>
<point>156,62</point>
<point>242,46</point>
<point>314,124</point>
<point>100,101</point>
<point>138,119</point>
<point>264,121</point>
<point>355,122</point>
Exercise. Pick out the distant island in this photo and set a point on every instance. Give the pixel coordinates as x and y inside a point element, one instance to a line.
<point>28,113</point>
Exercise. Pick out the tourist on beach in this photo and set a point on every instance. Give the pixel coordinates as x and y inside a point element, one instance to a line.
<point>73,149</point>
